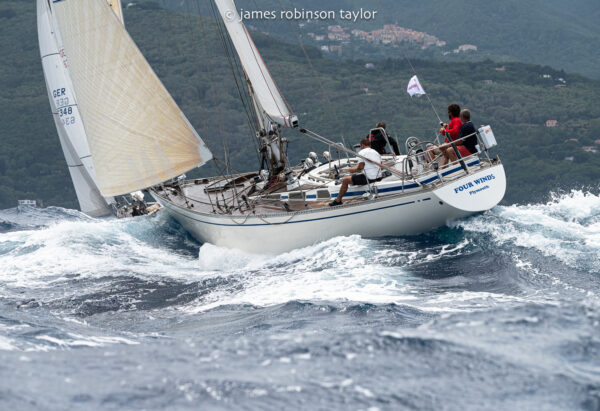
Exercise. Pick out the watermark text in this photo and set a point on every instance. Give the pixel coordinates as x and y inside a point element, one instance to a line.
<point>302,14</point>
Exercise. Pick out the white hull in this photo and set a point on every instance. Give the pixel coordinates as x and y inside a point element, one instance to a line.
<point>400,214</point>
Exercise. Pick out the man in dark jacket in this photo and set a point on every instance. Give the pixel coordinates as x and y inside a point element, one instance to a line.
<point>465,147</point>
<point>378,139</point>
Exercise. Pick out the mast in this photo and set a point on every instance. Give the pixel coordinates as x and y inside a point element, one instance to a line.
<point>272,111</point>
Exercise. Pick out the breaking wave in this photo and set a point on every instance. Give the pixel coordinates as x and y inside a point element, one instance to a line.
<point>66,247</point>
<point>510,295</point>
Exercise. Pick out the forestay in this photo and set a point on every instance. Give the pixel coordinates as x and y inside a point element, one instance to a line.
<point>137,134</point>
<point>264,88</point>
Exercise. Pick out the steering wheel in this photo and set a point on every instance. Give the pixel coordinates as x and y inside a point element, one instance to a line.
<point>410,143</point>
<point>424,146</point>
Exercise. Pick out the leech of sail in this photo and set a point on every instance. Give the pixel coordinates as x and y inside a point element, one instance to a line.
<point>138,136</point>
<point>68,125</point>
<point>115,5</point>
<point>267,93</point>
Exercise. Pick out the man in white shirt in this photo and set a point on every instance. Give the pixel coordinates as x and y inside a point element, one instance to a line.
<point>372,171</point>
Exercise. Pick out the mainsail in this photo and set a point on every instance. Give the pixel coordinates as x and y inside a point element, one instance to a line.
<point>266,92</point>
<point>137,135</point>
<point>66,117</point>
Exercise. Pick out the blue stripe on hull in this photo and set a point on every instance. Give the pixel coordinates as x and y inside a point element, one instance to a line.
<point>395,188</point>
<point>299,221</point>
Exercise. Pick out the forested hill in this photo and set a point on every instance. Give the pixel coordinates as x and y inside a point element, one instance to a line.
<point>516,99</point>
<point>561,34</point>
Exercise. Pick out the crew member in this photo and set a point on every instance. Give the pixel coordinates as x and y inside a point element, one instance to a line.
<point>452,129</point>
<point>378,139</point>
<point>465,147</point>
<point>372,171</point>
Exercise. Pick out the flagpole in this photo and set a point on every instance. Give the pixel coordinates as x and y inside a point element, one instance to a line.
<point>415,83</point>
<point>433,107</point>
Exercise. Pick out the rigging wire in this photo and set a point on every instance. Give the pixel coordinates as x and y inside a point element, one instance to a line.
<point>187,19</point>
<point>410,64</point>
<point>235,68</point>
<point>214,93</point>
<point>313,71</point>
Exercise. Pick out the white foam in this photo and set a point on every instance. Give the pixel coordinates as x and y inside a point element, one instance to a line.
<point>93,248</point>
<point>7,344</point>
<point>567,227</point>
<point>340,269</point>
<point>71,340</point>
<point>337,269</point>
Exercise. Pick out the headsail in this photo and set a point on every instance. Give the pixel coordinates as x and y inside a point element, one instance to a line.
<point>137,135</point>
<point>115,5</point>
<point>264,88</point>
<point>66,117</point>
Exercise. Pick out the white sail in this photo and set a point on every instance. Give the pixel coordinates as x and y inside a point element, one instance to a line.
<point>66,117</point>
<point>115,5</point>
<point>137,135</point>
<point>264,88</point>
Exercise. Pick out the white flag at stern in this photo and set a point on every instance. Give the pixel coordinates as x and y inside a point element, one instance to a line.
<point>414,87</point>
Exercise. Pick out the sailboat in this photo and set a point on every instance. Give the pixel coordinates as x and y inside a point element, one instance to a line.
<point>78,139</point>
<point>138,139</point>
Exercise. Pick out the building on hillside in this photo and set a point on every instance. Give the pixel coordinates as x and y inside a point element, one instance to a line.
<point>336,48</point>
<point>338,36</point>
<point>589,149</point>
<point>551,123</point>
<point>575,140</point>
<point>467,47</point>
<point>597,142</point>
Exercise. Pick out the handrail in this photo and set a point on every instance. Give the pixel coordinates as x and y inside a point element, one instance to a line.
<point>402,174</point>
<point>459,160</point>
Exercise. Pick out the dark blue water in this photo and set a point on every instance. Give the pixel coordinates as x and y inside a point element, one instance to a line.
<point>497,311</point>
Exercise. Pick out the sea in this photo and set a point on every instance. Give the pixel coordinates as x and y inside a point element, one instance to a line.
<point>498,311</point>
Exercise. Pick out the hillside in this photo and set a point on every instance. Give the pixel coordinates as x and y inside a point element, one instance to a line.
<point>563,35</point>
<point>516,101</point>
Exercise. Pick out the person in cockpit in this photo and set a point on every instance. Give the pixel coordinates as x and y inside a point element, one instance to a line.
<point>372,171</point>
<point>378,139</point>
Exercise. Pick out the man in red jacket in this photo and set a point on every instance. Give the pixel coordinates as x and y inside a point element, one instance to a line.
<point>452,128</point>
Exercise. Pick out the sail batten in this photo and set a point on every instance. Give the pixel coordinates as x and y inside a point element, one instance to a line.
<point>266,92</point>
<point>137,134</point>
